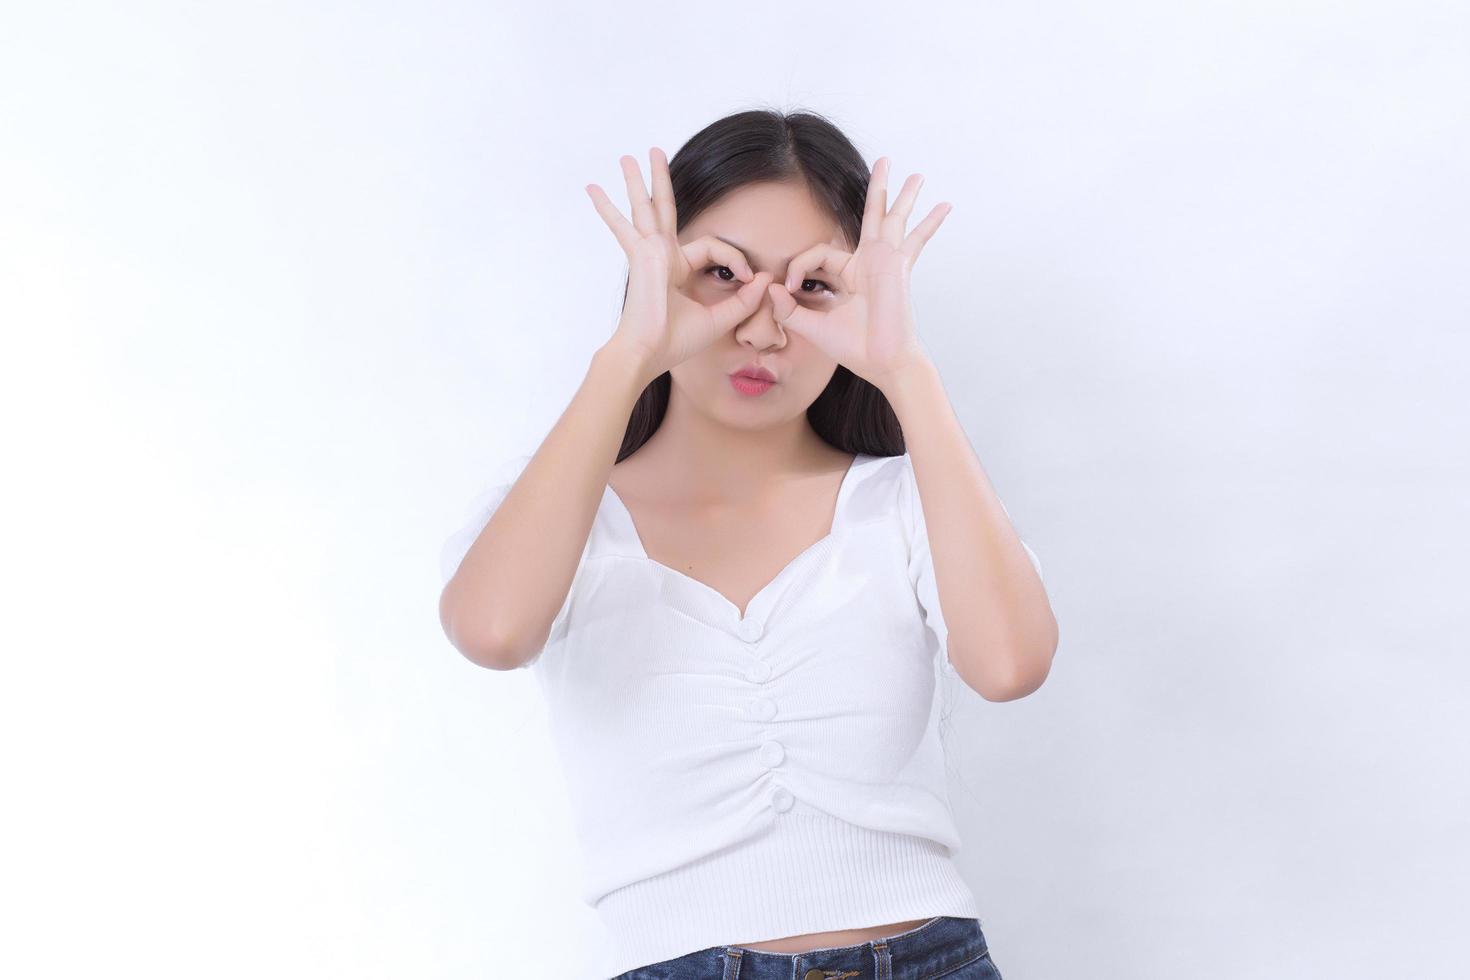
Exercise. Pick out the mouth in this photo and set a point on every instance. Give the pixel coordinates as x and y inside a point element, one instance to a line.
<point>755,373</point>
<point>745,384</point>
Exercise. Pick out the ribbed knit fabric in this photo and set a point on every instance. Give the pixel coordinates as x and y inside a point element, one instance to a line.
<point>806,872</point>
<point>740,779</point>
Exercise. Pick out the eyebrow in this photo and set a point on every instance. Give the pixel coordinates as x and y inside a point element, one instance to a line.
<point>743,251</point>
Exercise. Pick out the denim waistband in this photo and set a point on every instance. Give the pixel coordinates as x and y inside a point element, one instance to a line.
<point>934,949</point>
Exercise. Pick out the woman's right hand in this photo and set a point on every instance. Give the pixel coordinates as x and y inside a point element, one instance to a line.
<point>661,322</point>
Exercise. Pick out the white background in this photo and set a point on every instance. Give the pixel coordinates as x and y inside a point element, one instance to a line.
<point>282,285</point>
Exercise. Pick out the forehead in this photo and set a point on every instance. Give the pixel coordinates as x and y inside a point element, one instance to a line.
<point>769,222</point>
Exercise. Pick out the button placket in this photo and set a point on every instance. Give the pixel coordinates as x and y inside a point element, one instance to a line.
<point>762,709</point>
<point>771,753</point>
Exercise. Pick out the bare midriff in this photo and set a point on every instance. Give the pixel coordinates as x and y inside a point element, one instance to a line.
<point>807,942</point>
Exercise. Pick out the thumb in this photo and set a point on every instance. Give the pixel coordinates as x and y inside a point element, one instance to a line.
<point>797,318</point>
<point>731,311</point>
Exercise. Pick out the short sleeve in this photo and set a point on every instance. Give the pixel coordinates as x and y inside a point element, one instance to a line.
<point>476,516</point>
<point>921,564</point>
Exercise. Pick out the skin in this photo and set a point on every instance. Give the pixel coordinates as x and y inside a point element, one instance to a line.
<point>1002,634</point>
<point>731,487</point>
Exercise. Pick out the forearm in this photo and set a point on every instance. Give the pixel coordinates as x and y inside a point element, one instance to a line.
<point>499,606</point>
<point>1002,632</point>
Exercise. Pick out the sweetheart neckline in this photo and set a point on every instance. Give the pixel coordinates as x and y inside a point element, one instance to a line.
<point>743,616</point>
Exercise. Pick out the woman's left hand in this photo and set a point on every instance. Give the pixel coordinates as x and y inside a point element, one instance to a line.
<point>868,326</point>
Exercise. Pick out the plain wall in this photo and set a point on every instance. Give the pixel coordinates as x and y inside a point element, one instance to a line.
<point>282,285</point>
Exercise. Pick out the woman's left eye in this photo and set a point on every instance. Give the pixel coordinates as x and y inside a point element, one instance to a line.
<point>829,290</point>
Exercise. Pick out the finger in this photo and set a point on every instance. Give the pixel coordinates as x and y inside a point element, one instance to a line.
<point>821,261</point>
<point>877,202</point>
<point>643,216</point>
<point>663,192</point>
<point>898,216</point>
<point>811,324</point>
<point>924,230</point>
<point>707,249</point>
<point>626,234</point>
<point>737,308</point>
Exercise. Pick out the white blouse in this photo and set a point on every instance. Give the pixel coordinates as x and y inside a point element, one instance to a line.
<point>735,780</point>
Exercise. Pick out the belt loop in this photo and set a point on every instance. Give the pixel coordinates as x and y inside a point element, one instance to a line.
<point>732,964</point>
<point>882,962</point>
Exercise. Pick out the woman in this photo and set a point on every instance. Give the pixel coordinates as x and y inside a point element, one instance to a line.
<point>729,589</point>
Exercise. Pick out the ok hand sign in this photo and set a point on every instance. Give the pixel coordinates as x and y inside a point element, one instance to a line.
<point>870,328</point>
<point>661,322</point>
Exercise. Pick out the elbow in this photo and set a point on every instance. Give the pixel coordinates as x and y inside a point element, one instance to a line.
<point>1026,673</point>
<point>1014,688</point>
<point>491,656</point>
<point>491,652</point>
<point>1031,665</point>
<point>481,643</point>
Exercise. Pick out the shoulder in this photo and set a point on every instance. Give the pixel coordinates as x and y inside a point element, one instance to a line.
<point>894,473</point>
<point>878,488</point>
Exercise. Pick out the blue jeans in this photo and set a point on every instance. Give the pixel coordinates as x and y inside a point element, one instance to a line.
<point>945,946</point>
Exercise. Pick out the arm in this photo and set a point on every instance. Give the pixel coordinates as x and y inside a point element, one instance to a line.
<point>1002,633</point>
<point>499,606</point>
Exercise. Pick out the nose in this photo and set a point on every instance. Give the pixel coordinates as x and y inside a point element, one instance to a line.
<point>760,329</point>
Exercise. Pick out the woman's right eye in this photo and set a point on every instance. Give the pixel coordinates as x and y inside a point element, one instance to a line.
<point>722,268</point>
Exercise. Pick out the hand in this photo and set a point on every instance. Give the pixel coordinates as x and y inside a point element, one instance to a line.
<point>869,328</point>
<point>659,321</point>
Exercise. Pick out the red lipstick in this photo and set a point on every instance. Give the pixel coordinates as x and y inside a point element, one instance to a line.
<point>752,379</point>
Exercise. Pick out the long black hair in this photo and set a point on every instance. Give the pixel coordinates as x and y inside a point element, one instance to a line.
<point>767,145</point>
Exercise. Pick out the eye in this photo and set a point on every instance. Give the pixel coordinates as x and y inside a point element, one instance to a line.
<point>725,274</point>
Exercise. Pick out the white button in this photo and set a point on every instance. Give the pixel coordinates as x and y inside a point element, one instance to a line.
<point>758,671</point>
<point>750,630</point>
<point>782,799</point>
<point>771,754</point>
<point>763,708</point>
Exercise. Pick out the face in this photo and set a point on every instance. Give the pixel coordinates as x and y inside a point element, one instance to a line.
<point>770,224</point>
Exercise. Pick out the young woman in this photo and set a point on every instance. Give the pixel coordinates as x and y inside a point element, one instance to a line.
<point>725,563</point>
